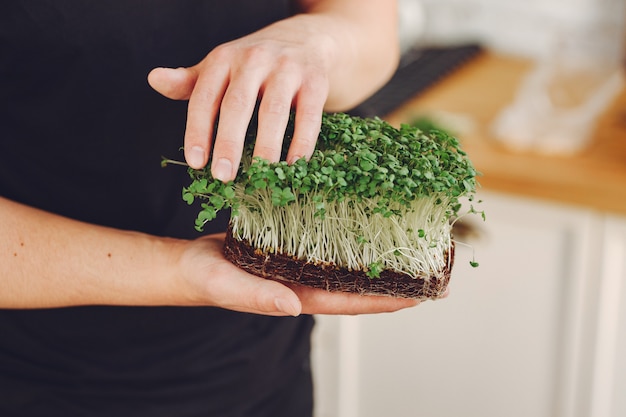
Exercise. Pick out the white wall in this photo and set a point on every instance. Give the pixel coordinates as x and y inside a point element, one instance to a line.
<point>526,28</point>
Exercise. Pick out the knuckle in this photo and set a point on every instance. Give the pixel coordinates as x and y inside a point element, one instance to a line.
<point>221,53</point>
<point>309,114</point>
<point>207,95</point>
<point>315,81</point>
<point>275,106</point>
<point>308,121</point>
<point>237,100</point>
<point>226,147</point>
<point>260,302</point>
<point>306,142</point>
<point>255,54</point>
<point>285,64</point>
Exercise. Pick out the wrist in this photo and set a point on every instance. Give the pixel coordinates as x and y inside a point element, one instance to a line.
<point>171,265</point>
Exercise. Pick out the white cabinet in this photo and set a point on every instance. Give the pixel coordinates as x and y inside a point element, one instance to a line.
<point>608,370</point>
<point>535,330</point>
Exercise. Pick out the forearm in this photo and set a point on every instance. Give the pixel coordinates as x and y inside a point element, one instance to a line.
<point>367,41</point>
<point>50,261</point>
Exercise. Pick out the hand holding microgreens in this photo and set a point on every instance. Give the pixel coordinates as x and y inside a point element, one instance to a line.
<point>371,197</point>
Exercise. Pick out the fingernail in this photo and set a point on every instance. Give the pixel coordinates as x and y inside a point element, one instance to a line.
<point>195,157</point>
<point>287,306</point>
<point>222,169</point>
<point>292,160</point>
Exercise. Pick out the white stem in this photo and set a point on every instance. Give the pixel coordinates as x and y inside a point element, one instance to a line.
<point>349,235</point>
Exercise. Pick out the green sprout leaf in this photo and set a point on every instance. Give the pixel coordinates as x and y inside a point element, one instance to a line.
<point>360,164</point>
<point>374,269</point>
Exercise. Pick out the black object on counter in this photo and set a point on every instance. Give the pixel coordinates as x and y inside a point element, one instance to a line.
<point>419,68</point>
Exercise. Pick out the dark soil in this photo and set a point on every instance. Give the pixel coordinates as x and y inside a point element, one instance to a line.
<point>330,277</point>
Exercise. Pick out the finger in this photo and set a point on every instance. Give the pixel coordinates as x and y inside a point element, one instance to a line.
<point>173,83</point>
<point>309,107</point>
<point>235,113</point>
<point>222,284</point>
<point>239,291</point>
<point>317,301</point>
<point>204,104</point>
<point>274,114</point>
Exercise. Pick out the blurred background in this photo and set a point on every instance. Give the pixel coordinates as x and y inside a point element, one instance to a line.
<point>527,28</point>
<point>535,92</point>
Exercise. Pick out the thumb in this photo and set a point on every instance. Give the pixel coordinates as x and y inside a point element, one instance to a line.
<point>241,291</point>
<point>174,83</point>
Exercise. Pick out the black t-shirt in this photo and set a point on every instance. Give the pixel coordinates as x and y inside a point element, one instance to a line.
<point>82,135</point>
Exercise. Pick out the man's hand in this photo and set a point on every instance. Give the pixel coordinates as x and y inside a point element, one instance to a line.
<point>216,281</point>
<point>330,57</point>
<point>48,261</point>
<point>285,65</point>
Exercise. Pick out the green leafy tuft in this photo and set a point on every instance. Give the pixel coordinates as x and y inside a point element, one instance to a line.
<point>372,197</point>
<point>355,159</point>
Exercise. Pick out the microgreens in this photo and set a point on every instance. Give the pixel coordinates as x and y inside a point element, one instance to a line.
<point>371,196</point>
